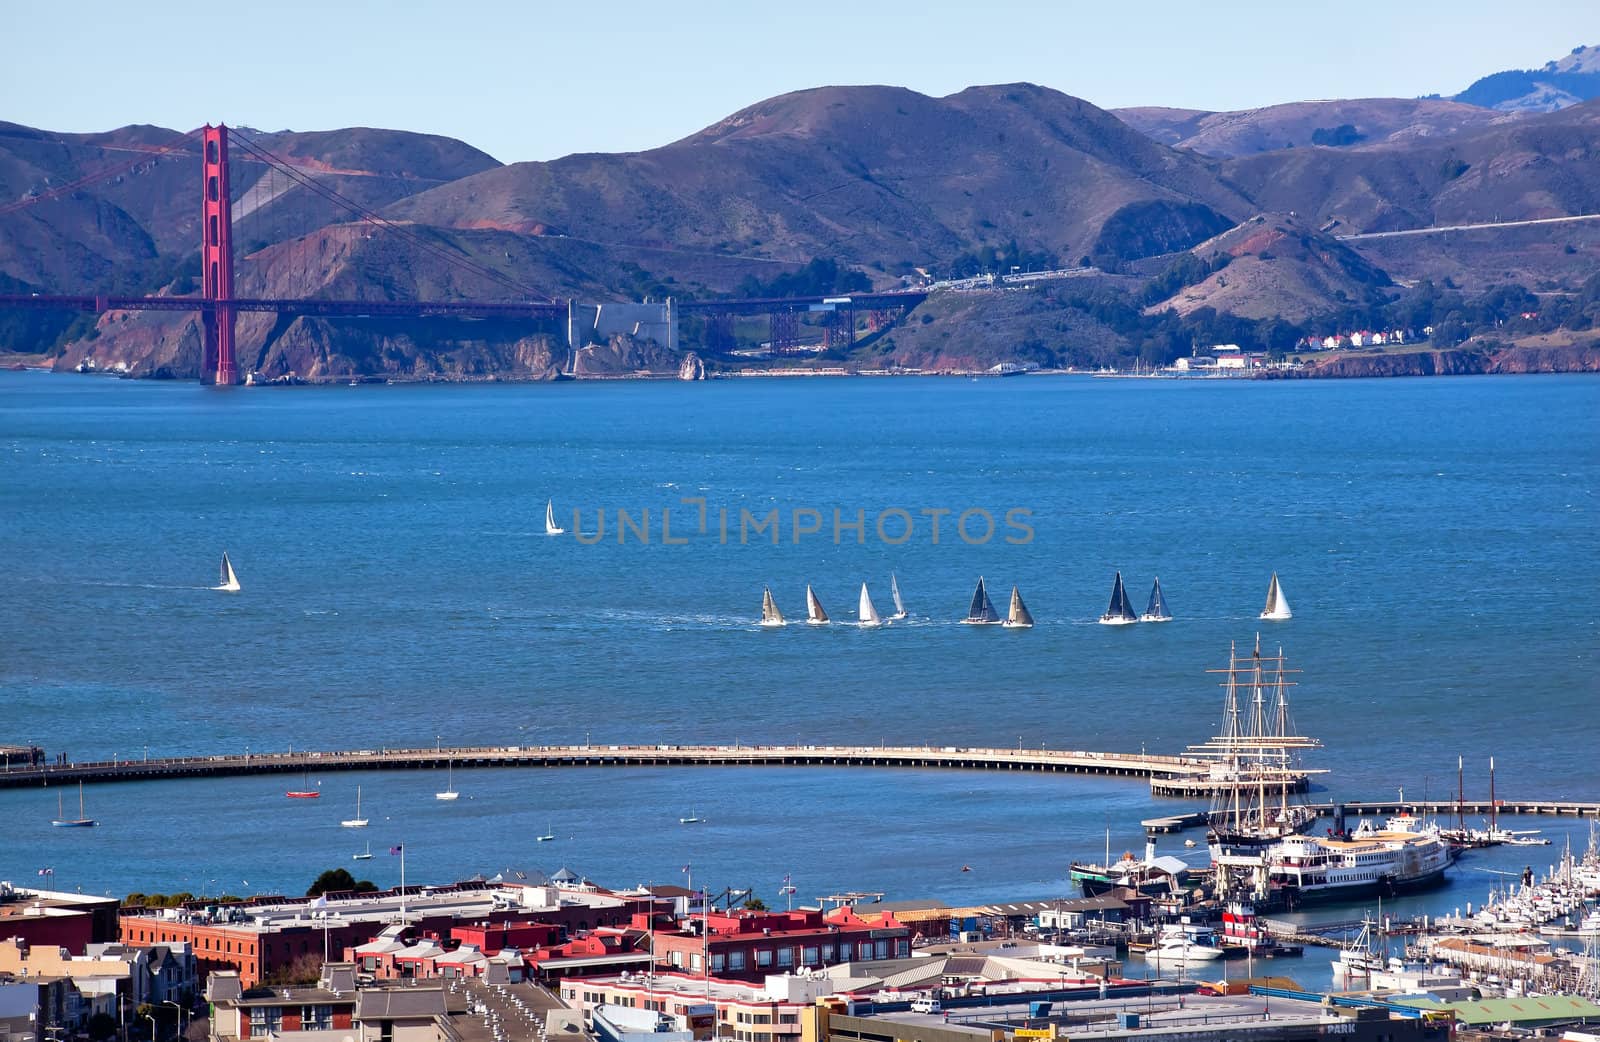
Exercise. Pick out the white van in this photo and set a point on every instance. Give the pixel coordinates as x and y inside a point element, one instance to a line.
<point>925,1004</point>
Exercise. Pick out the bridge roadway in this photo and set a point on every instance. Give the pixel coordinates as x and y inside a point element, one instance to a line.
<point>1173,769</point>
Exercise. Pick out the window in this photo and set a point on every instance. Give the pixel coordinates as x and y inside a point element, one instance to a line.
<point>764,957</point>
<point>676,958</point>
<point>827,953</point>
<point>809,956</point>
<point>717,963</point>
<point>865,951</point>
<point>881,949</point>
<point>694,961</point>
<point>902,948</point>
<point>788,1018</point>
<point>736,960</point>
<point>785,956</point>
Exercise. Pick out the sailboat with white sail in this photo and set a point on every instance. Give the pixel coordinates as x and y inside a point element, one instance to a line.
<point>82,821</point>
<point>550,526</point>
<point>771,617</point>
<point>1277,608</point>
<point>815,616</point>
<point>365,855</point>
<point>899,605</point>
<point>981,611</point>
<point>449,792</point>
<point>1156,610</point>
<point>1018,618</point>
<point>866,612</point>
<point>229,582</point>
<point>357,822</point>
<point>1120,611</point>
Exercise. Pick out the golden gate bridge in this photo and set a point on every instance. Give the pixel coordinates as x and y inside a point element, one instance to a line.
<point>219,307</point>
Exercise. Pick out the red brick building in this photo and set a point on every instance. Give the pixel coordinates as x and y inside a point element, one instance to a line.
<point>744,945</point>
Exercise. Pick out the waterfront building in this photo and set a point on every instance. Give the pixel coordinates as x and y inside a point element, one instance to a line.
<point>58,919</point>
<point>746,945</point>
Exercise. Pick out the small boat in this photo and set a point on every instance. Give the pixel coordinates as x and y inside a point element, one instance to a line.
<point>550,526</point>
<point>306,792</point>
<point>82,821</point>
<point>1182,947</point>
<point>1120,612</point>
<point>449,792</point>
<point>548,836</point>
<point>867,613</point>
<point>230,582</point>
<point>1156,610</point>
<point>1018,618</point>
<point>365,855</point>
<point>771,617</point>
<point>691,819</point>
<point>1277,608</point>
<point>981,612</point>
<point>814,613</point>
<point>899,605</point>
<point>357,822</point>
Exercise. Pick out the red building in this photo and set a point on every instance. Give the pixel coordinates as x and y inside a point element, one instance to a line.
<point>744,945</point>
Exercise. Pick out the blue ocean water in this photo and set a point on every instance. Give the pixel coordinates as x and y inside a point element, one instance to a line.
<point>1435,538</point>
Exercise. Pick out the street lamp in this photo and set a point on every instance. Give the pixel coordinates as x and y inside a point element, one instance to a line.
<point>179,1022</point>
<point>152,1021</point>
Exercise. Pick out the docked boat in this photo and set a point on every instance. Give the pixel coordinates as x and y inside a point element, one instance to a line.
<point>1360,959</point>
<point>1018,618</point>
<point>899,605</point>
<point>815,616</point>
<point>1120,611</point>
<point>981,611</point>
<point>771,617</point>
<point>1184,944</point>
<point>550,526</point>
<point>82,821</point>
<point>357,822</point>
<point>229,582</point>
<point>449,792</point>
<point>866,612</point>
<point>1156,610</point>
<point>1277,607</point>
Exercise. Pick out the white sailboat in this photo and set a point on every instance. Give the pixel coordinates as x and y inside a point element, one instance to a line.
<point>981,611</point>
<point>1277,608</point>
<point>357,822</point>
<point>771,617</point>
<point>899,605</point>
<point>1120,612</point>
<point>690,819</point>
<point>365,855</point>
<point>449,792</point>
<point>548,836</point>
<point>866,612</point>
<point>1156,610</point>
<point>1018,618</point>
<point>815,616</point>
<point>230,582</point>
<point>550,526</point>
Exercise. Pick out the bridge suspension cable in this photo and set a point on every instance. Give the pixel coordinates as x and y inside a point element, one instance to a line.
<point>369,216</point>
<point>103,174</point>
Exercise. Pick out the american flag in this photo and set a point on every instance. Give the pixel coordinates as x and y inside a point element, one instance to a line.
<point>47,871</point>
<point>684,869</point>
<point>396,850</point>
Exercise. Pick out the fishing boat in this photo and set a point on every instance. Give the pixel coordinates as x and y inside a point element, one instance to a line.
<point>815,616</point>
<point>981,612</point>
<point>1018,618</point>
<point>229,581</point>
<point>1361,958</point>
<point>305,792</point>
<point>357,822</point>
<point>1277,608</point>
<point>449,792</point>
<point>1120,612</point>
<point>771,617</point>
<point>899,605</point>
<point>82,821</point>
<point>1156,610</point>
<point>550,526</point>
<point>866,612</point>
<point>365,855</point>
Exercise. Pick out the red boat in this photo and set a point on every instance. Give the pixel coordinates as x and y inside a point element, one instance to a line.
<point>309,794</point>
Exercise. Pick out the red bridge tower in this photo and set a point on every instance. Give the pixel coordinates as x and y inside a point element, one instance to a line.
<point>216,258</point>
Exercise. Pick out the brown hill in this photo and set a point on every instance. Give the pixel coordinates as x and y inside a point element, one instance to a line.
<point>1305,124</point>
<point>869,175</point>
<point>1277,266</point>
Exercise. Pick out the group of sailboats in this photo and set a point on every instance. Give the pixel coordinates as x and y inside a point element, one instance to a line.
<point>1120,611</point>
<point>981,611</point>
<point>866,612</point>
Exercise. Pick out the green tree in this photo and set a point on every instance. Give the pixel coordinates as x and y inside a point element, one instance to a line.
<point>334,880</point>
<point>755,904</point>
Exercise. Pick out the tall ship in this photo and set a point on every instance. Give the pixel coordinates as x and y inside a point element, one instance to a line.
<point>1259,830</point>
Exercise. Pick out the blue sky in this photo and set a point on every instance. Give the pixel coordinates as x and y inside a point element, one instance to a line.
<point>533,80</point>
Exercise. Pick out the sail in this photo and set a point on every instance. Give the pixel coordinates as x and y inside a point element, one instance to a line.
<point>550,527</point>
<point>1120,610</point>
<point>1018,617</point>
<point>866,612</point>
<point>814,613</point>
<point>1277,604</point>
<point>894,591</point>
<point>230,582</point>
<point>981,612</point>
<point>1156,610</point>
<point>770,615</point>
